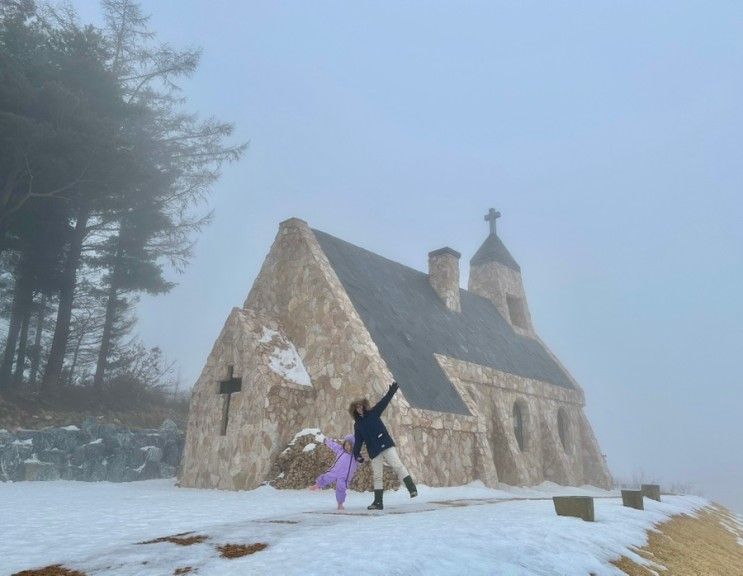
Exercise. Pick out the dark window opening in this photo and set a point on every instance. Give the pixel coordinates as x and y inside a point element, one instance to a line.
<point>562,428</point>
<point>516,311</point>
<point>518,425</point>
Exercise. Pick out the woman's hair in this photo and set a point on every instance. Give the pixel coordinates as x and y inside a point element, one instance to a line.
<point>352,407</point>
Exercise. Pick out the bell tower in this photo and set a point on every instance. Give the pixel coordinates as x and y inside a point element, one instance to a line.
<point>495,275</point>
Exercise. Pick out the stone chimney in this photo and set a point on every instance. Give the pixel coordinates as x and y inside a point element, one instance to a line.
<point>443,274</point>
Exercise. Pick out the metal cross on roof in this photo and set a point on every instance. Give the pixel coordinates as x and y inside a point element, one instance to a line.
<point>491,217</point>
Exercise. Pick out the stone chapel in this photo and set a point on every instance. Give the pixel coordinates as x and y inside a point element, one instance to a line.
<point>481,396</point>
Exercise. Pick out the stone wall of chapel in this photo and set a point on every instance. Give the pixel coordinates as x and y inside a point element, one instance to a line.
<point>441,449</point>
<point>263,415</point>
<point>491,394</point>
<point>299,288</point>
<point>298,294</point>
<point>201,466</point>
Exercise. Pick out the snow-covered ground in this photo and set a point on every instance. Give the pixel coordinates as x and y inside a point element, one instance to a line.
<point>95,527</point>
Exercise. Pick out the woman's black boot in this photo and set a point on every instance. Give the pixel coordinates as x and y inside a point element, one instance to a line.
<point>378,501</point>
<point>410,485</point>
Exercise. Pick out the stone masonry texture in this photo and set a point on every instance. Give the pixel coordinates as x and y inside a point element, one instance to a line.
<point>297,299</point>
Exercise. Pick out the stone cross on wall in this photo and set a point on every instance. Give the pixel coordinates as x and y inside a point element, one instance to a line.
<point>226,389</point>
<point>491,217</point>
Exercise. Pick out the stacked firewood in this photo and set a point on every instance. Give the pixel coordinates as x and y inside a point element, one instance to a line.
<point>306,457</point>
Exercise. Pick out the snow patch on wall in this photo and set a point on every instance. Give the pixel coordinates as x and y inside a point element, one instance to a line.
<point>268,335</point>
<point>285,360</point>
<point>288,364</point>
<point>319,436</point>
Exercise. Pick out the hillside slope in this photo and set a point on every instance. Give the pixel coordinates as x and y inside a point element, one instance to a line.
<point>710,542</point>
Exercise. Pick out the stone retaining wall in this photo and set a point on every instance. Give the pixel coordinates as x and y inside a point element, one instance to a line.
<point>93,452</point>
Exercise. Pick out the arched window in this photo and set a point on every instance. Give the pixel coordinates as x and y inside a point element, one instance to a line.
<point>562,428</point>
<point>518,425</point>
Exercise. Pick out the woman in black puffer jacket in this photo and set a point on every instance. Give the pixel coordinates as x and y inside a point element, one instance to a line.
<point>370,430</point>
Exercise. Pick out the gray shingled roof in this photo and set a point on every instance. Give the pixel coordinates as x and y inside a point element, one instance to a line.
<point>409,323</point>
<point>493,250</point>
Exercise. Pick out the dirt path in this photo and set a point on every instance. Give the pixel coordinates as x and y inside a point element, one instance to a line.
<point>435,505</point>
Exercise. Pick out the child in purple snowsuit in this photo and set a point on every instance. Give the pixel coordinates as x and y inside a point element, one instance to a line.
<point>342,470</point>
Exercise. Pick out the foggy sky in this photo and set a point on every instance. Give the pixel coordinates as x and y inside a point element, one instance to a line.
<point>608,134</point>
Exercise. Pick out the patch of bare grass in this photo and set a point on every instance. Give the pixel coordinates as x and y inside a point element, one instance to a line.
<point>182,539</point>
<point>689,546</point>
<point>183,570</point>
<point>54,570</point>
<point>239,550</point>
